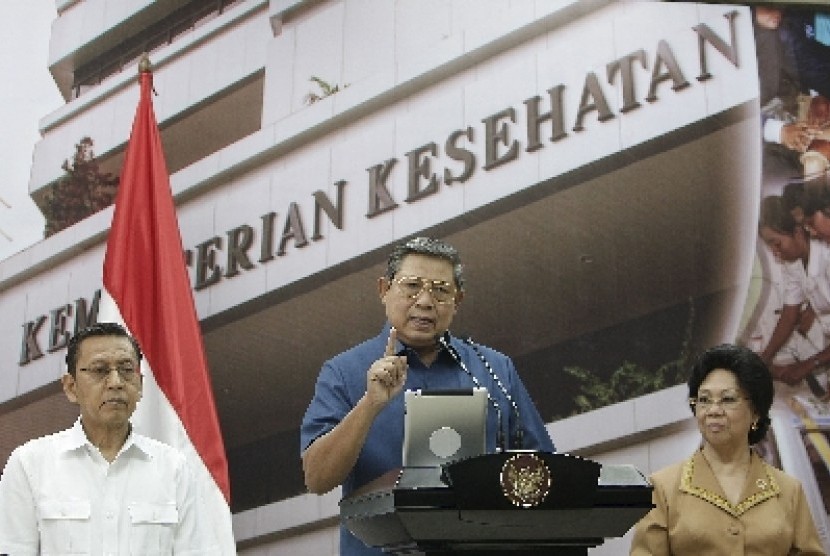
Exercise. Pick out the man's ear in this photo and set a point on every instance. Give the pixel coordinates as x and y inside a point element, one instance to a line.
<point>69,385</point>
<point>140,385</point>
<point>458,297</point>
<point>383,287</point>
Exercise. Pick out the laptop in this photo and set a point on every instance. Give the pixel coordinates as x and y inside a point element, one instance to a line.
<point>441,426</point>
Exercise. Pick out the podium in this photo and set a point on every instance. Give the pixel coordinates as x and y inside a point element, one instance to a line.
<point>531,503</point>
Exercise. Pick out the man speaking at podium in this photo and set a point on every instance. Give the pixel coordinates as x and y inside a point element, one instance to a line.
<point>352,431</point>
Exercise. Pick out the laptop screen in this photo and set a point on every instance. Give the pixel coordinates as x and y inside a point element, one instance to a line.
<point>441,426</point>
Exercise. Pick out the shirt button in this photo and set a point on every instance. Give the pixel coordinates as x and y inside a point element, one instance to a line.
<point>734,530</point>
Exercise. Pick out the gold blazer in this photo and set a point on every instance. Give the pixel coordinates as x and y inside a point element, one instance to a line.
<point>692,516</point>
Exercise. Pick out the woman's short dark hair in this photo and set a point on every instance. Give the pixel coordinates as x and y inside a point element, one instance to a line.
<point>98,329</point>
<point>776,216</point>
<point>751,373</point>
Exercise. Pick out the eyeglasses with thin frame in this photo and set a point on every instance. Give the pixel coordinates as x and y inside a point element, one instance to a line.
<point>127,370</point>
<point>728,401</point>
<point>412,286</point>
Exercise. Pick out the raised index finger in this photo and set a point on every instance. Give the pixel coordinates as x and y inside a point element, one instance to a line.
<point>390,344</point>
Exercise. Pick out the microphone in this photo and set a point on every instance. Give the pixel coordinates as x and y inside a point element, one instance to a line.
<point>457,358</point>
<point>497,380</point>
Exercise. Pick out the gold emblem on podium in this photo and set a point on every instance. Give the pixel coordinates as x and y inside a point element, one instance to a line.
<point>525,480</point>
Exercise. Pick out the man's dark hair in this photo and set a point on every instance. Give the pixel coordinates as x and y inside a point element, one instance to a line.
<point>752,374</point>
<point>431,248</point>
<point>816,195</point>
<point>792,196</point>
<point>98,329</point>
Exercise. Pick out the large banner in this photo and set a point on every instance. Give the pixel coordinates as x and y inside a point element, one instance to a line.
<point>788,307</point>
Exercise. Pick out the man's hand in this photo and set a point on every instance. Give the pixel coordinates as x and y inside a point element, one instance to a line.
<point>329,459</point>
<point>386,377</point>
<point>793,373</point>
<point>797,137</point>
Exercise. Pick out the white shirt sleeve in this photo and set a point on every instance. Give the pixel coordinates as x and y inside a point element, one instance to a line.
<point>793,277</point>
<point>772,131</point>
<point>18,520</point>
<point>193,534</point>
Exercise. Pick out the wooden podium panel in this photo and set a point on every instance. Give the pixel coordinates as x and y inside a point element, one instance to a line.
<point>533,503</point>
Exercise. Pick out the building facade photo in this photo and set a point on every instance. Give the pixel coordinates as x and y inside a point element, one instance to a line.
<point>598,164</point>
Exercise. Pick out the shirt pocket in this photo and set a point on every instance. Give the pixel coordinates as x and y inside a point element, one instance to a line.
<point>152,527</point>
<point>64,526</point>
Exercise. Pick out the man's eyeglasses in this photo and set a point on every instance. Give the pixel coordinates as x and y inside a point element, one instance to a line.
<point>127,371</point>
<point>412,286</point>
<point>727,401</point>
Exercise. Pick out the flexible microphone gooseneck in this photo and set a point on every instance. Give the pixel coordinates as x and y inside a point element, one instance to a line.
<point>514,405</point>
<point>457,358</point>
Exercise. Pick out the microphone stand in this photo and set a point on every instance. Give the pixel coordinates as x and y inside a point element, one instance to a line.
<point>519,428</point>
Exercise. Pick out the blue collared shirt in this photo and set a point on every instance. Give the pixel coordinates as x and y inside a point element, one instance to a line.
<point>342,382</point>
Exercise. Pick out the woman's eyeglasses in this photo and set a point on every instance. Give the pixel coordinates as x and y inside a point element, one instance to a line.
<point>727,401</point>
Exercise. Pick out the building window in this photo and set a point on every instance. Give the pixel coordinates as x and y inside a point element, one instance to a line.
<point>158,35</point>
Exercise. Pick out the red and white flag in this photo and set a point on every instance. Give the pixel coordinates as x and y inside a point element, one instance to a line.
<point>146,288</point>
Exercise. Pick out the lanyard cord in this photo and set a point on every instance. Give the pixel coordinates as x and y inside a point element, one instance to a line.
<point>495,377</point>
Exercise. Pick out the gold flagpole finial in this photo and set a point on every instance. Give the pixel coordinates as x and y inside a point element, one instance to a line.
<point>144,65</point>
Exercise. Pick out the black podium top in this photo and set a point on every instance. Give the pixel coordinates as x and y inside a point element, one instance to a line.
<point>533,502</point>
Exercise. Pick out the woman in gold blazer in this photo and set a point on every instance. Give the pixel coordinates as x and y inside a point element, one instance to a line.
<point>725,500</point>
